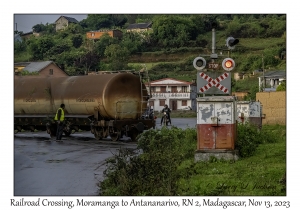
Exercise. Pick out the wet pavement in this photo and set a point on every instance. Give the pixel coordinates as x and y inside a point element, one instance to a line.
<point>72,167</point>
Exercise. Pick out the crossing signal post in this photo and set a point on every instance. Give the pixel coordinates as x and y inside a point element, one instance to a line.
<point>212,62</point>
<point>199,63</point>
<point>231,42</point>
<point>228,64</point>
<point>213,128</point>
<point>211,78</point>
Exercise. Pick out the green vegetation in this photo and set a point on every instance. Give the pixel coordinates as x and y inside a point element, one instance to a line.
<point>249,84</point>
<point>282,86</point>
<point>167,168</point>
<point>179,114</point>
<point>167,50</point>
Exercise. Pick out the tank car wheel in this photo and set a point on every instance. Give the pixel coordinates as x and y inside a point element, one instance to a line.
<point>98,135</point>
<point>133,134</point>
<point>114,136</point>
<point>51,132</point>
<point>67,133</point>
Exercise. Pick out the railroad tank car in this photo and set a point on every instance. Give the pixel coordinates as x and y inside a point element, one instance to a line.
<point>106,104</point>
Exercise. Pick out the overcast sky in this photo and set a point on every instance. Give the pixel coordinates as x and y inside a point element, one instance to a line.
<point>25,22</point>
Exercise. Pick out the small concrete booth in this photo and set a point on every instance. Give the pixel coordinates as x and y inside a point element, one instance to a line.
<point>216,128</point>
<point>250,112</point>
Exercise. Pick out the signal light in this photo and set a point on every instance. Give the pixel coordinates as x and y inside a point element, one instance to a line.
<point>199,63</point>
<point>228,64</point>
<point>231,42</point>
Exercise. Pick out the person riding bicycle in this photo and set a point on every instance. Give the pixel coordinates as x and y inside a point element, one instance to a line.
<point>167,110</point>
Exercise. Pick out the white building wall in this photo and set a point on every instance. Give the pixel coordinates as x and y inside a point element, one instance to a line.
<point>189,94</point>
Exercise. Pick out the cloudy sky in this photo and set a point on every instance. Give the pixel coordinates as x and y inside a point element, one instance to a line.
<point>25,22</point>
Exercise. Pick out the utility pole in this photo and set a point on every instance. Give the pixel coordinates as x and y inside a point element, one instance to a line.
<point>263,68</point>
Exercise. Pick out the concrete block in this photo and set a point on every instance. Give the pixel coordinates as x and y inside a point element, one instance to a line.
<point>204,155</point>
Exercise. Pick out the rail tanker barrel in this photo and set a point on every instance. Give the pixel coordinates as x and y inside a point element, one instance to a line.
<point>114,96</point>
<point>32,95</point>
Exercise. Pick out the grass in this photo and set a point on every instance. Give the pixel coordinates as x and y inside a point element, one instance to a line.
<point>259,175</point>
<point>148,65</point>
<point>179,114</point>
<point>258,44</point>
<point>167,167</point>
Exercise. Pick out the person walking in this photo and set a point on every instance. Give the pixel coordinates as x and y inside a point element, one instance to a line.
<point>59,118</point>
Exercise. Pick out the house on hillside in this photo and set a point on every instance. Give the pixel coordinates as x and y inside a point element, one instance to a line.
<point>63,21</point>
<point>18,67</point>
<point>18,38</point>
<point>115,33</point>
<point>42,68</point>
<point>139,27</point>
<point>177,94</point>
<point>29,34</point>
<point>270,80</point>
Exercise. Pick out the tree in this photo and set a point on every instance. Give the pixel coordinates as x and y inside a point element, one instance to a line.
<point>39,47</point>
<point>172,30</point>
<point>234,27</point>
<point>19,46</point>
<point>62,45</point>
<point>67,61</point>
<point>39,28</point>
<point>133,42</point>
<point>74,29</point>
<point>98,21</point>
<point>118,20</point>
<point>117,56</point>
<point>103,42</point>
<point>77,40</point>
<point>282,86</point>
<point>50,29</point>
<point>18,32</point>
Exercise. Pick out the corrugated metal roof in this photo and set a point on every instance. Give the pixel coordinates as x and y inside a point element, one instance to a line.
<point>269,89</point>
<point>139,25</point>
<point>22,63</point>
<point>70,19</point>
<point>275,74</point>
<point>37,66</point>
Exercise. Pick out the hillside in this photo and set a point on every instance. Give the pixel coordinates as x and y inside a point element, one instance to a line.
<point>167,50</point>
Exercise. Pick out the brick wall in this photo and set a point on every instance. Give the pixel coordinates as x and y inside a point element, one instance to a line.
<point>99,34</point>
<point>274,106</point>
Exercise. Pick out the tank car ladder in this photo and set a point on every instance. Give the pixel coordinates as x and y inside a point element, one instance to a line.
<point>144,73</point>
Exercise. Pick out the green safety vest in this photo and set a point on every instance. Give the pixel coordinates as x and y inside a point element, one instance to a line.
<point>62,116</point>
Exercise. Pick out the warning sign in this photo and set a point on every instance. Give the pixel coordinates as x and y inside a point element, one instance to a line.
<point>214,82</point>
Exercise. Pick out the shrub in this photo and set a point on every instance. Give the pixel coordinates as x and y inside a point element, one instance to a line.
<point>154,172</point>
<point>281,87</point>
<point>247,139</point>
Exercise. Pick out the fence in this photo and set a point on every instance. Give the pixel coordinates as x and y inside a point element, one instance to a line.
<point>274,107</point>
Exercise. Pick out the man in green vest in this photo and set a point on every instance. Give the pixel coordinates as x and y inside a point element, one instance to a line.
<point>59,118</point>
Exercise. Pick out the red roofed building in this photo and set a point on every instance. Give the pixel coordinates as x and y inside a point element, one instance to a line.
<point>177,94</point>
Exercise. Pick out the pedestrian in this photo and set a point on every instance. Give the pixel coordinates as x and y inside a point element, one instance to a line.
<point>59,118</point>
<point>168,111</point>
